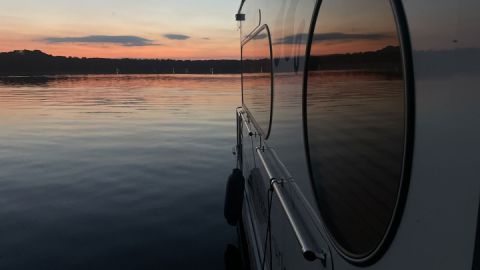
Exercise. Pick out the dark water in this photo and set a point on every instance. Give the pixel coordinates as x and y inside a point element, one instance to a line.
<point>356,135</point>
<point>115,172</point>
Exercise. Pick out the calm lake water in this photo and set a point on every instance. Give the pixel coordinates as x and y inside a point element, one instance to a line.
<point>115,172</point>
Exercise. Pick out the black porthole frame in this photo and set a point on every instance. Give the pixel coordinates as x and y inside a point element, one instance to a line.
<point>256,31</point>
<point>406,49</point>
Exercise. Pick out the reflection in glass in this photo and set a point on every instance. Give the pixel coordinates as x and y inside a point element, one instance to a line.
<point>257,80</point>
<point>356,121</point>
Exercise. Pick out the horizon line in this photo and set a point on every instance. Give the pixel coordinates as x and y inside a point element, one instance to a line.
<point>120,58</point>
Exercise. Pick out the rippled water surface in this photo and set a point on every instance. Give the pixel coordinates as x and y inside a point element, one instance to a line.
<point>115,172</point>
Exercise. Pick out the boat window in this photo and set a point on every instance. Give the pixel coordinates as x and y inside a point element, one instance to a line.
<point>257,79</point>
<point>355,122</point>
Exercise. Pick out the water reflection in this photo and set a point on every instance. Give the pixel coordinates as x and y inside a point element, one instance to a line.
<point>257,80</point>
<point>356,135</point>
<point>25,81</point>
<point>116,172</point>
<point>356,111</point>
<point>100,94</point>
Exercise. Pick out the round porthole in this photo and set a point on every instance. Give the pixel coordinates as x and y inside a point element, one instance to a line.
<point>357,123</point>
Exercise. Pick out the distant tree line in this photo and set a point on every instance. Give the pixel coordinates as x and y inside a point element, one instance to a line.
<point>36,62</point>
<point>388,59</point>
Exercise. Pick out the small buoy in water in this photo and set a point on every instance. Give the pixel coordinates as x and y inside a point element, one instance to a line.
<point>234,197</point>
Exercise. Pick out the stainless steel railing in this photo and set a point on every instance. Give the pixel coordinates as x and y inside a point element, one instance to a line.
<point>300,214</point>
<point>243,115</point>
<point>292,201</point>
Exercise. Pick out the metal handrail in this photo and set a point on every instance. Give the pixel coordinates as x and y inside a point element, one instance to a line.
<point>302,232</point>
<point>278,182</point>
<point>242,113</point>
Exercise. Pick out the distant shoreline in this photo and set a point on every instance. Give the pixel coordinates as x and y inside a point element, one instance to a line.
<point>38,63</point>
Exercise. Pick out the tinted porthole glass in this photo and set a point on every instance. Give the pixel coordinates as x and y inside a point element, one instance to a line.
<point>257,79</point>
<point>355,121</point>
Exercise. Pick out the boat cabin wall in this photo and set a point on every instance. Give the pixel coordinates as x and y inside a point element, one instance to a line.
<point>438,226</point>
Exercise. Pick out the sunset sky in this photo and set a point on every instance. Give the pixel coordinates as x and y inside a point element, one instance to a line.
<point>179,29</point>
